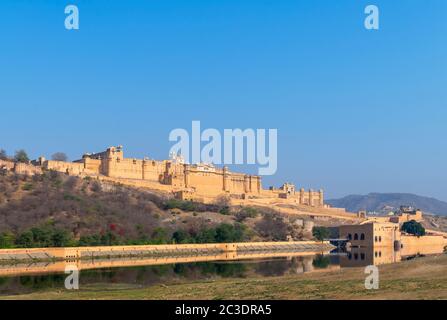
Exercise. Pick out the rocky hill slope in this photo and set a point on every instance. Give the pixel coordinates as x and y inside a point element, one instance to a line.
<point>388,201</point>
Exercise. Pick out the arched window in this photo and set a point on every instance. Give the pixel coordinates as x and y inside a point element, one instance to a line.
<point>362,256</point>
<point>380,253</point>
<point>349,236</point>
<point>362,236</point>
<point>375,254</point>
<point>380,238</point>
<point>375,239</point>
<point>356,236</point>
<point>356,256</point>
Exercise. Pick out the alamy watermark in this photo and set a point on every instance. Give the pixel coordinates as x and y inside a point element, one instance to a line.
<point>372,280</point>
<point>72,18</point>
<point>372,18</point>
<point>72,280</point>
<point>371,21</point>
<point>237,146</point>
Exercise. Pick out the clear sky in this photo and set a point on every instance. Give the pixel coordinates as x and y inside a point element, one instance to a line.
<point>357,111</point>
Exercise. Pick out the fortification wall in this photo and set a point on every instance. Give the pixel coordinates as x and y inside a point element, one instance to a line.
<point>153,170</point>
<point>29,169</point>
<point>405,217</point>
<point>93,166</point>
<point>134,169</point>
<point>204,182</point>
<point>8,165</point>
<point>308,198</point>
<point>428,244</point>
<point>199,181</point>
<point>71,168</point>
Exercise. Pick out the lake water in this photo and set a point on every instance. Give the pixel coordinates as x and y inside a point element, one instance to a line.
<point>143,272</point>
<point>40,276</point>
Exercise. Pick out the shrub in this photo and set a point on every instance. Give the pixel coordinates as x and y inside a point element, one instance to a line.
<point>321,233</point>
<point>321,262</point>
<point>206,236</point>
<point>68,196</point>
<point>7,240</point>
<point>180,204</point>
<point>60,238</point>
<point>181,236</point>
<point>230,233</point>
<point>245,213</point>
<point>27,187</point>
<point>159,236</point>
<point>225,210</point>
<point>25,239</point>
<point>90,240</point>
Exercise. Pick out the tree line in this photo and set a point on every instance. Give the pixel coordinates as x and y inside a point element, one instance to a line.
<point>22,156</point>
<point>50,236</point>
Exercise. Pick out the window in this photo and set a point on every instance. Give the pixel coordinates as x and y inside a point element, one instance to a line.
<point>380,253</point>
<point>356,236</point>
<point>356,256</point>
<point>375,239</point>
<point>362,256</point>
<point>375,254</point>
<point>380,238</point>
<point>349,236</point>
<point>362,236</point>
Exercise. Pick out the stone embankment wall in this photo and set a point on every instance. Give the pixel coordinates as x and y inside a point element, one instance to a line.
<point>428,244</point>
<point>193,249</point>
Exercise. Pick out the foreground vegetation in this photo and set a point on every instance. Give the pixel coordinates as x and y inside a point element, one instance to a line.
<point>421,278</point>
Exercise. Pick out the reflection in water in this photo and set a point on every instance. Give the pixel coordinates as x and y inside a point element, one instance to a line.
<point>25,278</point>
<point>147,275</point>
<point>361,257</point>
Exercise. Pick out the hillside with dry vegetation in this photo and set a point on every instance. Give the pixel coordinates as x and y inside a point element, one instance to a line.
<point>54,209</point>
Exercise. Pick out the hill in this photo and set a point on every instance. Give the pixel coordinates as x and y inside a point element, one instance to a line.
<point>378,201</point>
<point>53,209</point>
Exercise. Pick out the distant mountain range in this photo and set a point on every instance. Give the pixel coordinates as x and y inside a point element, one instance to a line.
<point>381,202</point>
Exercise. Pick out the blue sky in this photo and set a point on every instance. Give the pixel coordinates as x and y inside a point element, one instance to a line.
<point>357,111</point>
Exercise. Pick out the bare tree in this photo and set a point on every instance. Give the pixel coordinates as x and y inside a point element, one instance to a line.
<point>21,156</point>
<point>273,227</point>
<point>59,156</point>
<point>3,155</point>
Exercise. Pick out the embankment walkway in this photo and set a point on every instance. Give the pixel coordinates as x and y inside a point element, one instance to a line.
<point>75,253</point>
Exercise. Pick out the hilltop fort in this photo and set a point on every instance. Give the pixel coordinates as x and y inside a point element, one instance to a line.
<point>206,183</point>
<point>197,182</point>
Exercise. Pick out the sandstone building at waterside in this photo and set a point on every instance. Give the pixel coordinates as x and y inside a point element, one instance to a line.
<point>373,242</point>
<point>200,182</point>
